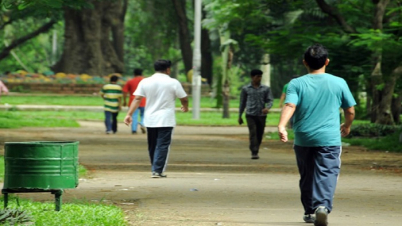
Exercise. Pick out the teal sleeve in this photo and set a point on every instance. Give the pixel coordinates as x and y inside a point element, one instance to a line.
<point>291,94</point>
<point>347,98</point>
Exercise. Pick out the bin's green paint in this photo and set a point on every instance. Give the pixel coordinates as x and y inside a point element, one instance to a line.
<point>41,165</point>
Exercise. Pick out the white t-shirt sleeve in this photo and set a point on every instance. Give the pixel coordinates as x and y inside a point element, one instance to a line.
<point>140,89</point>
<point>180,93</point>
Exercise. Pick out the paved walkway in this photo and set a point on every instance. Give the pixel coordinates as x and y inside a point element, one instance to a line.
<point>212,181</point>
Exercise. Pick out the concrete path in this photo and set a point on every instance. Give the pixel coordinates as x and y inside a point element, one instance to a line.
<point>212,180</point>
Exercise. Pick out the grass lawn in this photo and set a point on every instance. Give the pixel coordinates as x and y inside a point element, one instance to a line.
<point>17,119</point>
<point>206,102</point>
<point>78,212</point>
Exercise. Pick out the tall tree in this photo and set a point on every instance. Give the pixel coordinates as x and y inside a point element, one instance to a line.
<point>118,17</point>
<point>206,53</point>
<point>382,85</point>
<point>184,33</point>
<point>87,46</point>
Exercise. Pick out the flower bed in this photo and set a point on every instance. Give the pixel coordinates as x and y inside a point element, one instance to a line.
<point>62,83</point>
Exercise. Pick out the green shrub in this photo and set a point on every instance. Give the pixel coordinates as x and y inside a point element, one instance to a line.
<point>372,130</point>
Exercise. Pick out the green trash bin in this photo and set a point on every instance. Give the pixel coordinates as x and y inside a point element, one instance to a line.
<point>40,166</point>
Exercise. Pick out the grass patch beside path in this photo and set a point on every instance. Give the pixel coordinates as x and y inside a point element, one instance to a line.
<point>18,119</point>
<point>53,100</point>
<point>68,100</point>
<point>388,143</point>
<point>77,213</point>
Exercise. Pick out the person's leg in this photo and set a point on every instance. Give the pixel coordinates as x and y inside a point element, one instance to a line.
<point>162,149</point>
<point>252,128</point>
<point>108,123</point>
<point>260,125</point>
<point>141,115</point>
<point>305,164</point>
<point>134,123</point>
<point>114,121</point>
<point>142,119</point>
<point>327,162</point>
<point>152,136</point>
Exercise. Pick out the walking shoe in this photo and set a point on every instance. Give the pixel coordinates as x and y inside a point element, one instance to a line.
<point>133,132</point>
<point>158,175</point>
<point>108,132</point>
<point>143,130</point>
<point>255,156</point>
<point>321,216</point>
<point>309,218</point>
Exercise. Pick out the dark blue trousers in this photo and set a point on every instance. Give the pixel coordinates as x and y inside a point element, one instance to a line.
<point>159,139</point>
<point>319,169</point>
<point>111,121</point>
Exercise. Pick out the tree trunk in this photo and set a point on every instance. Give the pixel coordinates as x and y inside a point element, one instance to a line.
<point>226,64</point>
<point>184,34</point>
<point>87,46</point>
<point>206,55</point>
<point>119,9</point>
<point>381,105</point>
<point>397,108</point>
<point>375,80</point>
<point>384,112</point>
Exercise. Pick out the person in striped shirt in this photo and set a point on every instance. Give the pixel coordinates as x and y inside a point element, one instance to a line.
<point>112,94</point>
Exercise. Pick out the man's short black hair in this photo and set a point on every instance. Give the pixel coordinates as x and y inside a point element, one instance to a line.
<point>162,65</point>
<point>114,78</point>
<point>255,72</point>
<point>137,71</point>
<point>315,56</point>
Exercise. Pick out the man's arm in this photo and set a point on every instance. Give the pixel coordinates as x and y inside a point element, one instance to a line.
<point>349,117</point>
<point>134,105</point>
<point>287,112</point>
<point>282,99</point>
<point>269,100</point>
<point>243,100</point>
<point>184,104</point>
<point>124,98</point>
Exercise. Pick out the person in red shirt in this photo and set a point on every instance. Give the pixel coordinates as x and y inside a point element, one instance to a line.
<point>129,88</point>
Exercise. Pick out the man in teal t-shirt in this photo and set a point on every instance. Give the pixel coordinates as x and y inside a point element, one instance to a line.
<point>314,100</point>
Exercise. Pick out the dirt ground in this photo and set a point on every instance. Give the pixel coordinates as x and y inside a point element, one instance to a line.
<point>212,180</point>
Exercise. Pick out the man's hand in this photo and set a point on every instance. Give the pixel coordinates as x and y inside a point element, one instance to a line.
<point>344,130</point>
<point>128,120</point>
<point>184,109</point>
<point>283,134</point>
<point>265,111</point>
<point>240,120</point>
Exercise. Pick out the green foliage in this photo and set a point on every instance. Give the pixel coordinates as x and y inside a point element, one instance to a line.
<point>14,216</point>
<point>77,213</point>
<point>152,32</point>
<point>387,143</point>
<point>372,130</point>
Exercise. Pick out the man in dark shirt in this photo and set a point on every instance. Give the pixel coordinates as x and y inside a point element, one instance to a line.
<point>257,100</point>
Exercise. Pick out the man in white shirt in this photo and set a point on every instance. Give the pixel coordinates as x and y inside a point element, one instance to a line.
<point>160,91</point>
